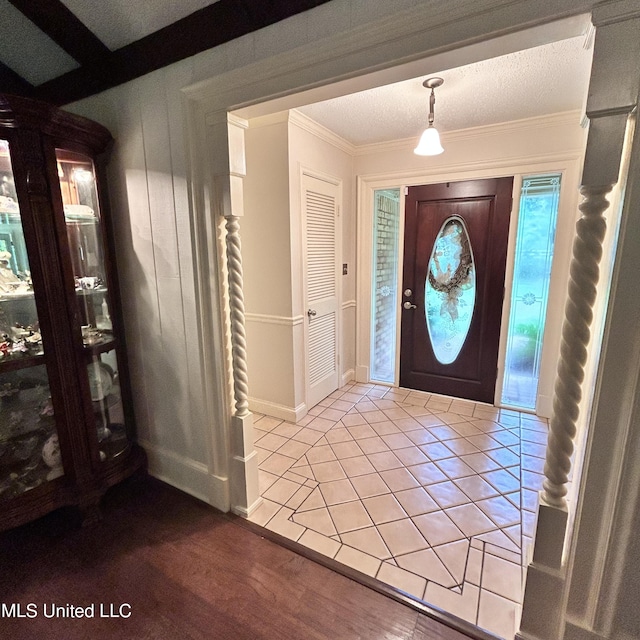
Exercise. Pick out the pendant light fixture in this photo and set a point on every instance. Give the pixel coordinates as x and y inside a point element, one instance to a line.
<point>429,144</point>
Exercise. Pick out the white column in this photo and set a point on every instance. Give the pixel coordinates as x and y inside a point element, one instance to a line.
<point>613,94</point>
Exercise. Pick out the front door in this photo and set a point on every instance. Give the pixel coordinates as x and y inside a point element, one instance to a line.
<point>455,252</point>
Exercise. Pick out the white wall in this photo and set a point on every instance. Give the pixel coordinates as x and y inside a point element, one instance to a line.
<point>278,148</point>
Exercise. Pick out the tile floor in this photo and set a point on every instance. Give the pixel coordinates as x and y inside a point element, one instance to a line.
<point>433,495</point>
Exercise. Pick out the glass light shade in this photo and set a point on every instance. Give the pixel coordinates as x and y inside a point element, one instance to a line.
<point>429,144</point>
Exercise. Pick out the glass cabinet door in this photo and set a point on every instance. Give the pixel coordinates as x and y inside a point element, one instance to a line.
<point>29,448</point>
<point>84,231</point>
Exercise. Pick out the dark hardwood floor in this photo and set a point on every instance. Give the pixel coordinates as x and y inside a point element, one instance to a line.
<point>187,572</point>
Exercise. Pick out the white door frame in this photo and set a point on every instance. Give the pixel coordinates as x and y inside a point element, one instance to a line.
<point>568,164</point>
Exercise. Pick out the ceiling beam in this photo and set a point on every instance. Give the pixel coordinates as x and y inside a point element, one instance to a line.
<point>62,26</point>
<point>11,82</point>
<point>209,27</point>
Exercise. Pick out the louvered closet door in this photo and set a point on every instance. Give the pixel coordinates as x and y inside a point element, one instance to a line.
<point>320,207</point>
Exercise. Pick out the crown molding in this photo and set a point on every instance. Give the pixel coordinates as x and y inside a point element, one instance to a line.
<point>305,122</point>
<point>565,118</point>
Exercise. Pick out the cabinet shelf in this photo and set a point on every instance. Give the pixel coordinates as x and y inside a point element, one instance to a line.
<point>15,363</point>
<point>60,412</point>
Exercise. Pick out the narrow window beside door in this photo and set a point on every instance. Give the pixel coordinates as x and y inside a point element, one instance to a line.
<point>532,270</point>
<point>385,278</point>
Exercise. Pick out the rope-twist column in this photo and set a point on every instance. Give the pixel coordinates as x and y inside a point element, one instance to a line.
<point>238,334</point>
<point>584,275</point>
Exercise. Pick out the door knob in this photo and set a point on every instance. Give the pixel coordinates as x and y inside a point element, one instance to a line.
<point>408,292</point>
<point>408,305</point>
<point>311,313</point>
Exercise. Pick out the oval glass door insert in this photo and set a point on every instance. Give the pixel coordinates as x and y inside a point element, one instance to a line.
<point>450,290</point>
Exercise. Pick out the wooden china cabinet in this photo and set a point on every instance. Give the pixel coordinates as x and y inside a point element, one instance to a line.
<point>65,418</point>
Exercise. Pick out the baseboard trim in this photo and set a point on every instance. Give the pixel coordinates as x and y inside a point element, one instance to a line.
<point>275,410</point>
<point>362,373</point>
<point>245,513</point>
<point>348,376</point>
<point>188,475</point>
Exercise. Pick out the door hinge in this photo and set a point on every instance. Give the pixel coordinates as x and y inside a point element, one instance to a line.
<point>406,191</point>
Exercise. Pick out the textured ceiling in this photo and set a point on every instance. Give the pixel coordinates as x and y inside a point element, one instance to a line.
<point>120,22</point>
<point>548,79</point>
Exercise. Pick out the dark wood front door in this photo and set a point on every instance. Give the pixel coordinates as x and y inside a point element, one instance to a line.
<point>455,250</point>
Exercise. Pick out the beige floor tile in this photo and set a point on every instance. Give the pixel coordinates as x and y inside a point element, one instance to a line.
<point>385,428</point>
<point>429,420</point>
<point>315,500</point>
<point>320,454</point>
<point>369,485</point>
<point>507,438</point>
<point>375,416</point>
<point>399,479</point>
<point>416,410</point>
<point>444,433</point>
<point>438,404</point>
<point>262,454</point>
<point>338,491</point>
<point>298,497</point>
<point>397,441</point>
<point>277,463</point>
<point>463,606</point>
<point>286,430</point>
<point>463,407</point>
<point>367,540</point>
<point>401,579</point>
<point>384,508</point>
<point>438,528</point>
<point>353,420</point>
<point>411,456</point>
<point>480,462</point>
<point>267,423</point>
<point>427,473</point>
<point>358,560</point>
<point>373,445</point>
<point>346,449</point>
<point>303,470</point>
<point>361,431</point>
<point>420,436</point>
<point>461,446</point>
<point>534,436</point>
<point>349,516</point>
<point>533,463</point>
<point>265,480</point>
<point>319,520</point>
<point>366,406</point>
<point>487,412</point>
<point>497,615</point>
<point>428,565</point>
<point>395,413</point>
<point>447,494</point>
<point>454,556</point>
<point>281,490</point>
<point>500,511</point>
<point>358,466</point>
<point>293,449</point>
<point>384,461</point>
<point>332,414</point>
<point>476,487</point>
<point>436,451</point>
<point>402,537</point>
<point>530,500</point>
<point>532,480</point>
<point>338,435</point>
<point>321,424</point>
<point>500,539</point>
<point>470,520</point>
<point>328,471</point>
<point>271,441</point>
<point>533,449</point>
<point>264,512</point>
<point>408,424</point>
<point>454,468</point>
<point>502,480</point>
<point>483,442</point>
<point>502,577</point>
<point>322,544</point>
<point>416,501</point>
<point>308,436</point>
<point>281,524</point>
<point>503,553</point>
<point>473,570</point>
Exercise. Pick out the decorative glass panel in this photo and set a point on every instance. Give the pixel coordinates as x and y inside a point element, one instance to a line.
<point>385,278</point>
<point>532,269</point>
<point>450,290</point>
<point>84,231</point>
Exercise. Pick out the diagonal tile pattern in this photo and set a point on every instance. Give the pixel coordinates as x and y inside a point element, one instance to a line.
<point>433,495</point>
